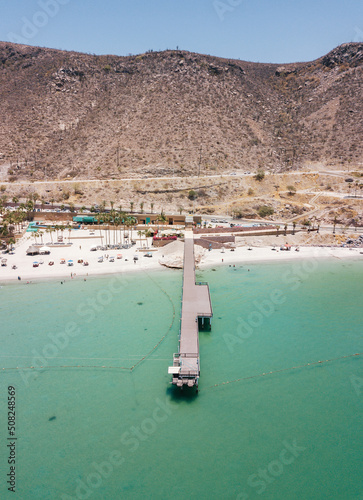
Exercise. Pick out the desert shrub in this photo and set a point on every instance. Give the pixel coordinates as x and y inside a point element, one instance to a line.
<point>250,192</point>
<point>260,175</point>
<point>77,189</point>
<point>291,190</point>
<point>192,195</point>
<point>265,211</point>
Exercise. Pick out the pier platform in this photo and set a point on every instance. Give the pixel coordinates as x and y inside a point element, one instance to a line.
<point>196,306</point>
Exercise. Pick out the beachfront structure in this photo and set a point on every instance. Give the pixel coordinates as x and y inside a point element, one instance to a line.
<point>85,219</point>
<point>170,219</point>
<point>196,309</point>
<point>146,219</point>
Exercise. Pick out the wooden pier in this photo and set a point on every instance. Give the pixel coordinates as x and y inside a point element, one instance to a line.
<point>196,307</point>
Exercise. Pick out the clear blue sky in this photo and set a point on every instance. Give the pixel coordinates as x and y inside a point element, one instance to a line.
<point>255,30</point>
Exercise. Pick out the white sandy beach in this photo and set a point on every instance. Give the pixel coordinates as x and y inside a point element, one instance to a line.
<point>266,254</point>
<point>81,243</point>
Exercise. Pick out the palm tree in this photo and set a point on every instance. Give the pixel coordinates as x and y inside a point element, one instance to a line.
<point>17,219</point>
<point>131,206</point>
<point>142,207</point>
<point>29,207</point>
<point>140,233</point>
<point>293,227</point>
<point>285,229</point>
<point>11,242</point>
<point>35,198</point>
<point>122,216</point>
<point>152,207</point>
<point>99,226</point>
<point>50,231</point>
<point>116,222</point>
<point>103,223</point>
<point>112,219</point>
<point>35,234</point>
<point>162,217</point>
<point>130,222</point>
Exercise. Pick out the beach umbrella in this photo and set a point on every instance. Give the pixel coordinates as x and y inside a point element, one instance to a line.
<point>32,250</point>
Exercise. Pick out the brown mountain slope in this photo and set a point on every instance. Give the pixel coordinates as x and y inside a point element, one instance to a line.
<point>70,114</point>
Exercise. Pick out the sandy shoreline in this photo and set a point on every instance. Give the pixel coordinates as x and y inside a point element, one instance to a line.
<point>82,243</point>
<point>242,255</point>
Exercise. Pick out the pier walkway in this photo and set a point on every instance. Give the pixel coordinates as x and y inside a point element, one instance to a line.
<point>196,305</point>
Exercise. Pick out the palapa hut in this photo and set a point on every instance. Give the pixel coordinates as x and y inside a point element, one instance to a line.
<point>32,250</point>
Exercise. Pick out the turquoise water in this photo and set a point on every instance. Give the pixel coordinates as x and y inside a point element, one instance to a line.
<point>113,433</point>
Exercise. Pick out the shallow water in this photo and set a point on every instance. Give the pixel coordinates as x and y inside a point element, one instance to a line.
<point>90,432</point>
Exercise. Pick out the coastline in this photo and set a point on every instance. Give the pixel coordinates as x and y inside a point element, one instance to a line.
<point>81,249</point>
<point>265,254</point>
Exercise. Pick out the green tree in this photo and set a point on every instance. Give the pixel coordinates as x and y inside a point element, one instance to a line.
<point>260,175</point>
<point>265,211</point>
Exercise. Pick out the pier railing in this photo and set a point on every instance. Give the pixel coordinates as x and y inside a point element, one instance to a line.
<point>186,355</point>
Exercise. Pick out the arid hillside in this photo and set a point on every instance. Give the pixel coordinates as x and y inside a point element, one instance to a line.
<point>66,115</point>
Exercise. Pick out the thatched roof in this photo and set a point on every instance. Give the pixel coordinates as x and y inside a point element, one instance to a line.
<point>32,250</point>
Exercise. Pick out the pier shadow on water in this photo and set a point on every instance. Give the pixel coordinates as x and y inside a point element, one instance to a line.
<point>187,394</point>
